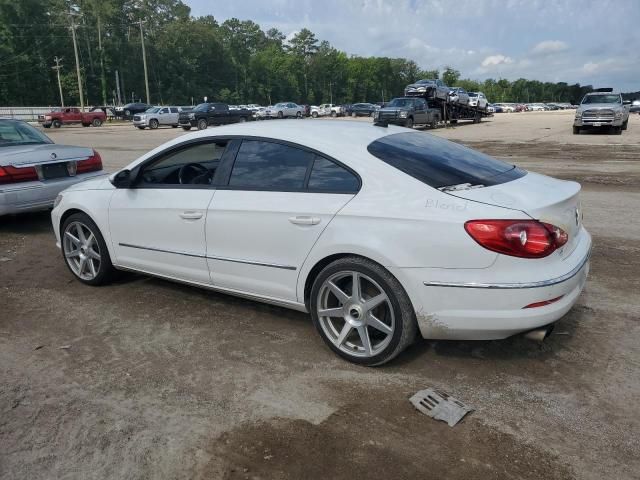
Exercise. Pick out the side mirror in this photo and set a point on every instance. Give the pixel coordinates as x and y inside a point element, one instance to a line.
<point>122,179</point>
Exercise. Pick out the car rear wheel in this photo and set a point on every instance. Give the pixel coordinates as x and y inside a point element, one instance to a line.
<point>186,129</point>
<point>334,114</point>
<point>242,119</point>
<point>85,251</point>
<point>298,115</point>
<point>96,122</point>
<point>153,124</point>
<point>362,312</point>
<point>141,128</point>
<point>56,124</point>
<point>408,122</point>
<point>314,114</point>
<point>202,124</point>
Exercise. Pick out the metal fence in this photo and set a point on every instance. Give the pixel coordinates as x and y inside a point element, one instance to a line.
<point>28,114</point>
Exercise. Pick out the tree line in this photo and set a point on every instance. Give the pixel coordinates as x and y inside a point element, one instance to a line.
<point>192,57</point>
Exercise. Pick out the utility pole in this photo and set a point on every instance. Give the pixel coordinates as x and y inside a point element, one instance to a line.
<point>75,51</point>
<point>57,69</point>
<point>118,88</point>
<point>103,78</point>
<point>144,62</point>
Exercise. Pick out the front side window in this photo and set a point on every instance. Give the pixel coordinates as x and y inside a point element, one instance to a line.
<point>270,166</point>
<point>192,165</point>
<point>440,163</point>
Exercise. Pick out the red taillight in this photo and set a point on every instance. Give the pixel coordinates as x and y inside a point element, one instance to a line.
<point>11,174</point>
<point>91,164</point>
<point>518,238</point>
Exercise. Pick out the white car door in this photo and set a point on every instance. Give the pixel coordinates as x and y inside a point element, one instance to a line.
<point>263,222</point>
<point>163,116</point>
<point>158,224</point>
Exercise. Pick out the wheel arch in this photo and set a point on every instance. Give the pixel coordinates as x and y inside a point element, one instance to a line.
<point>320,264</point>
<point>74,209</point>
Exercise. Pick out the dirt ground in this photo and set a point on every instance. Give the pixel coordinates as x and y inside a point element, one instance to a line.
<point>159,380</point>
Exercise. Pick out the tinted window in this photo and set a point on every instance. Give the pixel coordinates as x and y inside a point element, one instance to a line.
<point>269,165</point>
<point>441,163</point>
<point>330,177</point>
<point>174,110</point>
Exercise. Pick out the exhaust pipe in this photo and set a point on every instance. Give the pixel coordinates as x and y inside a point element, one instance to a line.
<point>539,334</point>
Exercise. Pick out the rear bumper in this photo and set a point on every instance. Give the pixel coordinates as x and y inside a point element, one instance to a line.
<point>470,309</point>
<point>33,196</point>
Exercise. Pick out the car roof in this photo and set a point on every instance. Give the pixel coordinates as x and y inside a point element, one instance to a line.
<point>335,138</point>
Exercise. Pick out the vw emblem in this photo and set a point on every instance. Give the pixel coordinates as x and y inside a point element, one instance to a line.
<point>53,156</point>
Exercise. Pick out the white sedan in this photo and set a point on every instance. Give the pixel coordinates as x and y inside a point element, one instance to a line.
<point>380,233</point>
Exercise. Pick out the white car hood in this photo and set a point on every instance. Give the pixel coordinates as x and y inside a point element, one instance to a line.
<point>98,183</point>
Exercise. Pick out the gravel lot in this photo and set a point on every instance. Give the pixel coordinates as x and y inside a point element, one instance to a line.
<point>165,381</point>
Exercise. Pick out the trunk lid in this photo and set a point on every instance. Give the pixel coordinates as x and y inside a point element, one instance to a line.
<point>29,155</point>
<point>543,198</point>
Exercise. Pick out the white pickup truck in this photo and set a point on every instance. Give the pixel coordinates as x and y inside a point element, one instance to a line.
<point>602,110</point>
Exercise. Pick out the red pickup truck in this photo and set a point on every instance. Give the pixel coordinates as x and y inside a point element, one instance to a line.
<point>67,116</point>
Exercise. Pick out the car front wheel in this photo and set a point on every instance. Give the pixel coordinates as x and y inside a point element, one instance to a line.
<point>361,311</point>
<point>202,124</point>
<point>85,251</point>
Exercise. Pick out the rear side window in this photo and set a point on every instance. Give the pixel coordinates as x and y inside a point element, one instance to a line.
<point>440,163</point>
<point>266,165</point>
<point>327,176</point>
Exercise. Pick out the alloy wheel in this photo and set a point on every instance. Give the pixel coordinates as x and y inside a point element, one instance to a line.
<point>81,250</point>
<point>355,314</point>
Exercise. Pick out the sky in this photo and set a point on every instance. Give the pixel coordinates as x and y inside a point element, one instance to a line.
<point>575,41</point>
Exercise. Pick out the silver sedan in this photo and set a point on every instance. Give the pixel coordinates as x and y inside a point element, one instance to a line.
<point>34,170</point>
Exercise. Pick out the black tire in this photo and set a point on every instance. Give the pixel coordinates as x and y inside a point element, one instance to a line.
<point>186,129</point>
<point>56,124</point>
<point>625,125</point>
<point>242,119</point>
<point>576,130</point>
<point>174,126</point>
<point>408,122</point>
<point>314,114</point>
<point>333,114</point>
<point>127,113</point>
<point>617,130</point>
<point>96,122</point>
<point>86,125</point>
<point>141,128</point>
<point>453,121</point>
<point>298,115</point>
<point>46,126</point>
<point>153,124</point>
<point>406,326</point>
<point>280,115</point>
<point>106,271</point>
<point>202,124</point>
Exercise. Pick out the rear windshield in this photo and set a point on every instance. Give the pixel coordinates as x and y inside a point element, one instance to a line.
<point>440,163</point>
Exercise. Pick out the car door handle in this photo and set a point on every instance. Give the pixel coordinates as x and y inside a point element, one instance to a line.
<point>191,215</point>
<point>304,220</point>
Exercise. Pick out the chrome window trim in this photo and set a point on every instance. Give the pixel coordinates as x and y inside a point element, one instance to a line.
<point>210,257</point>
<point>539,284</point>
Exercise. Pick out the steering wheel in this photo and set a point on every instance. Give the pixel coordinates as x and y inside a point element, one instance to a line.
<point>195,169</point>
